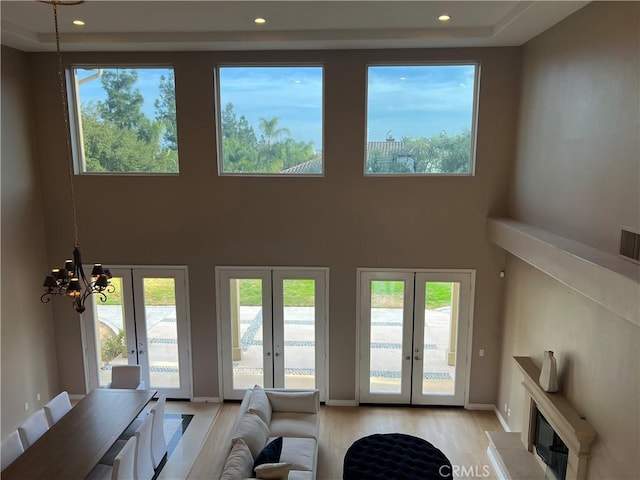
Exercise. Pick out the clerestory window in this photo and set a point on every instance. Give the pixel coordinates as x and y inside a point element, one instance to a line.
<point>124,120</point>
<point>421,119</point>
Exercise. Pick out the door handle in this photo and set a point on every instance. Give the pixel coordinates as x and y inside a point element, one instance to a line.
<point>408,357</point>
<point>417,358</point>
<point>268,354</point>
<point>277,354</point>
<point>141,352</point>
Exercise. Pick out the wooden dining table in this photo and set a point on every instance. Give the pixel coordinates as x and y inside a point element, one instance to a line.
<point>73,446</point>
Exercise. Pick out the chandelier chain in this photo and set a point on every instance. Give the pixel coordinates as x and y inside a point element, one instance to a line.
<point>67,134</point>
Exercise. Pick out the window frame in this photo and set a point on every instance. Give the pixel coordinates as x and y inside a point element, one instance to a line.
<point>218,117</point>
<point>75,116</point>
<point>474,116</point>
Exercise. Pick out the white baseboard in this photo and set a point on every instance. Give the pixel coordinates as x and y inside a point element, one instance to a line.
<point>206,399</point>
<point>341,403</point>
<point>480,406</point>
<point>503,422</point>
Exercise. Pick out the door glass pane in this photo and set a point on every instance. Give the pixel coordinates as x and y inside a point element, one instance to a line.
<point>162,332</point>
<point>387,309</point>
<point>111,332</point>
<point>299,333</point>
<point>440,336</point>
<point>246,332</point>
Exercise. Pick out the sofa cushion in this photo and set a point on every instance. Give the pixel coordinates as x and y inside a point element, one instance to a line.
<point>300,453</point>
<point>239,463</point>
<point>303,402</point>
<point>286,424</point>
<point>259,404</point>
<point>270,453</point>
<point>253,431</point>
<point>273,471</point>
<point>300,475</point>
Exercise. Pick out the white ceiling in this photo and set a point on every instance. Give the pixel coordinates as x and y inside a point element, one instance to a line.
<point>228,25</point>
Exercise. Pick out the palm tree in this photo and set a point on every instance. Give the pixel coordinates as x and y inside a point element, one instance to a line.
<point>271,130</point>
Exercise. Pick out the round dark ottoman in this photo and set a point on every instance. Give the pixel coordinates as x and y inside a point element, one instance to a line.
<point>394,456</point>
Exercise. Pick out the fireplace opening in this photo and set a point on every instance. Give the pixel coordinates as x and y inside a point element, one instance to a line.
<point>550,448</point>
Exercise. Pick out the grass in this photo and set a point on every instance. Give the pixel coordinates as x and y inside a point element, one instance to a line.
<point>157,292</point>
<point>385,294</point>
<point>297,293</point>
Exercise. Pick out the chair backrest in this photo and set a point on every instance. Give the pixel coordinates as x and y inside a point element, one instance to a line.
<point>124,465</point>
<point>33,428</point>
<point>11,448</point>
<point>57,408</point>
<point>158,441</point>
<point>125,376</point>
<point>144,464</point>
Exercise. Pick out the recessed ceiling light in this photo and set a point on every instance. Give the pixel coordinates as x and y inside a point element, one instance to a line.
<point>444,18</point>
<point>79,23</point>
<point>259,21</point>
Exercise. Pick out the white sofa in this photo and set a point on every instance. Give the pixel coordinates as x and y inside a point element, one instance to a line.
<point>265,415</point>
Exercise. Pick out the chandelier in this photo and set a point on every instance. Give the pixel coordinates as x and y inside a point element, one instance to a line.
<point>70,280</point>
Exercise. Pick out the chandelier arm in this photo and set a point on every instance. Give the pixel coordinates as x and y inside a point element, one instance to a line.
<point>46,297</point>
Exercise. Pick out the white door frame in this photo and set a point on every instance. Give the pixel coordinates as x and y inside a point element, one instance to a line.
<point>223,276</point>
<point>132,304</point>
<point>271,275</point>
<point>463,352</point>
<point>404,396</point>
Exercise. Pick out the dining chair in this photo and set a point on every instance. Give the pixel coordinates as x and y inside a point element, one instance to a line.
<point>144,463</point>
<point>33,428</point>
<point>126,376</point>
<point>11,448</point>
<point>57,408</point>
<point>158,441</point>
<point>123,465</point>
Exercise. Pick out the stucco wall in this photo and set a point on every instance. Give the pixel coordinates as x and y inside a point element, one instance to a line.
<point>28,351</point>
<point>341,221</point>
<point>577,174</point>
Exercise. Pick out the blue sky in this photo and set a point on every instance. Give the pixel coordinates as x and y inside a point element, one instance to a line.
<point>405,100</point>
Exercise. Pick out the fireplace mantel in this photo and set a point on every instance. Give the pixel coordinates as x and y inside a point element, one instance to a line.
<point>570,426</point>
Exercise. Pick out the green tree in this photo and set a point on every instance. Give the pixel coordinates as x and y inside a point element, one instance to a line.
<point>436,154</point>
<point>242,153</point>
<point>123,104</point>
<point>166,111</point>
<point>271,130</point>
<point>118,137</point>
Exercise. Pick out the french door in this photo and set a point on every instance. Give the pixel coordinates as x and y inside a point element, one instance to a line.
<point>413,336</point>
<point>272,325</point>
<point>143,322</point>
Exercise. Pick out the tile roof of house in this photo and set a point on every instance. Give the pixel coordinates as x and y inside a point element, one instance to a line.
<point>386,147</point>
<point>312,166</point>
<point>315,165</point>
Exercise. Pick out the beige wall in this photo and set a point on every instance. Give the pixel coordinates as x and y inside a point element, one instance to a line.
<point>577,174</point>
<point>28,351</point>
<point>577,169</point>
<point>342,221</point>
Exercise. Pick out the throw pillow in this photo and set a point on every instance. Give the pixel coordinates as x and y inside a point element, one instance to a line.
<point>259,404</point>
<point>301,402</point>
<point>273,471</point>
<point>239,463</point>
<point>253,431</point>
<point>270,453</point>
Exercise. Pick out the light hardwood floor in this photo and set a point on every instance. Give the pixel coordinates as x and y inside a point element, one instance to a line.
<point>457,432</point>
